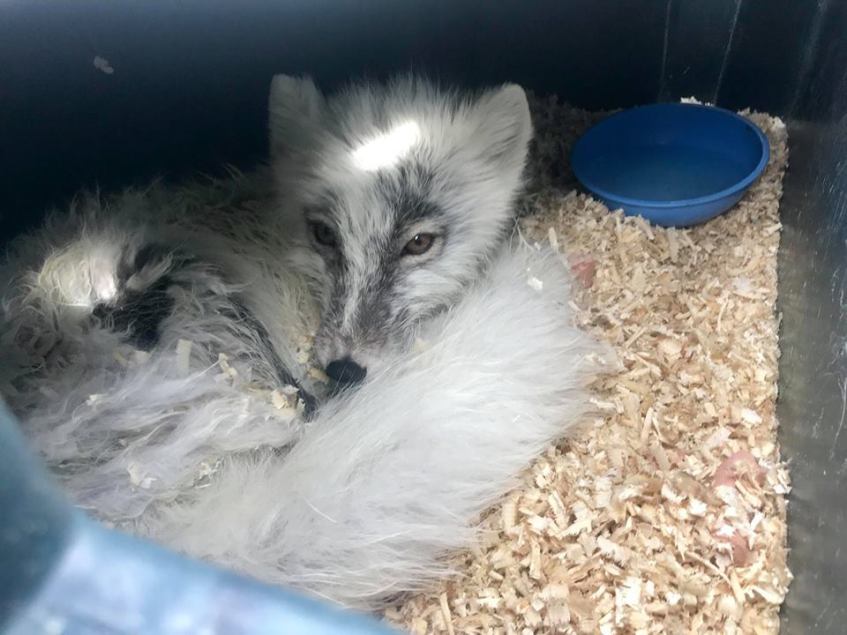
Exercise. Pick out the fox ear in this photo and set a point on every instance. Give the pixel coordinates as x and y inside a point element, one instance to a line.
<point>502,129</point>
<point>296,111</point>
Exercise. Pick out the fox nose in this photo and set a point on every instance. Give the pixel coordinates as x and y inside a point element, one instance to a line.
<point>345,371</point>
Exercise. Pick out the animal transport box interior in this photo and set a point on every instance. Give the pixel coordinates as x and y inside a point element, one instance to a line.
<point>428,317</point>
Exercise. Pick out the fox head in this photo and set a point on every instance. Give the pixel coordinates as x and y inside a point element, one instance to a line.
<point>394,196</point>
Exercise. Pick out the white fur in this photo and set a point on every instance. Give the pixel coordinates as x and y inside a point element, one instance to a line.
<point>364,501</point>
<point>106,417</point>
<point>388,478</point>
<point>467,161</point>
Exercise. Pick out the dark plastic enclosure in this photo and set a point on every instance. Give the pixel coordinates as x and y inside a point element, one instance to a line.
<point>188,92</point>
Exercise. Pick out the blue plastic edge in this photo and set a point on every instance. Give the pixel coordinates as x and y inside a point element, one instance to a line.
<point>63,574</point>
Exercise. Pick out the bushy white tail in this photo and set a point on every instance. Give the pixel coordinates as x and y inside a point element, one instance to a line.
<point>390,477</point>
<point>357,505</point>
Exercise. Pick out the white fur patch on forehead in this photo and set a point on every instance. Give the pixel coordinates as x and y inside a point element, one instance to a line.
<point>470,137</point>
<point>464,153</point>
<point>387,149</point>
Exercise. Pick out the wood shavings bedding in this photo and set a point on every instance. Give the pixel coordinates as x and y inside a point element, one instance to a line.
<point>668,512</point>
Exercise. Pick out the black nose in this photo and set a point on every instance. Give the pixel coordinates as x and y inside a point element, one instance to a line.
<point>345,371</point>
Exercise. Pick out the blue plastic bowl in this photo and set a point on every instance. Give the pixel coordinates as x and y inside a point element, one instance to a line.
<point>673,164</point>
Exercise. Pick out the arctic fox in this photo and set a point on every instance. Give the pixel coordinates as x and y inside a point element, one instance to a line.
<point>142,335</point>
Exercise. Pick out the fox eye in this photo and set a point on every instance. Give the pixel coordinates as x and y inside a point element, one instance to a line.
<point>419,245</point>
<point>323,234</point>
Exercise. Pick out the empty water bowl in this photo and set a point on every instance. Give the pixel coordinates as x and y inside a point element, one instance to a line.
<point>674,164</point>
